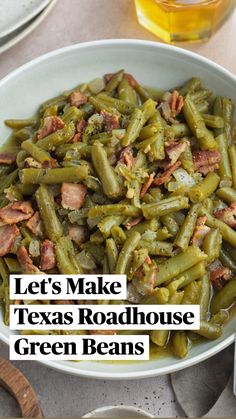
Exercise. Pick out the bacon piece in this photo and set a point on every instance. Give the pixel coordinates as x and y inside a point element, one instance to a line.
<point>16,212</point>
<point>133,222</point>
<point>73,195</point>
<point>7,158</point>
<point>102,332</point>
<point>35,224</point>
<point>77,99</point>
<point>176,103</point>
<point>78,234</point>
<point>126,157</point>
<point>80,129</point>
<point>166,175</point>
<point>147,185</point>
<point>205,158</point>
<point>227,215</point>
<point>207,169</point>
<point>200,231</point>
<point>219,274</point>
<point>47,255</point>
<point>50,124</point>
<point>8,235</point>
<point>26,262</point>
<point>111,121</point>
<point>174,149</point>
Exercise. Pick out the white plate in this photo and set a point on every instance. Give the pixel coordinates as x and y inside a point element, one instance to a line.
<point>15,13</point>
<point>153,64</point>
<point>9,41</point>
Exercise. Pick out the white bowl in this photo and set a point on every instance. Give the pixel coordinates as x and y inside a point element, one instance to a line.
<point>153,64</point>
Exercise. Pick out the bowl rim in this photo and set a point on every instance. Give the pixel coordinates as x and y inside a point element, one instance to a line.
<point>165,47</point>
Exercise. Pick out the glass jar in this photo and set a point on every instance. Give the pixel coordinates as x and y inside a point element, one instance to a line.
<point>183,20</point>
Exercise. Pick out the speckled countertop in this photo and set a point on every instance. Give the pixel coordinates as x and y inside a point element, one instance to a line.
<point>73,21</point>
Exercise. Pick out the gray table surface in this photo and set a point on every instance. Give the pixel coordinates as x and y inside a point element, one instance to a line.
<point>73,21</point>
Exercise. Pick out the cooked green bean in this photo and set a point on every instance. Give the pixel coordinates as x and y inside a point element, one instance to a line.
<point>227,194</point>
<point>205,294</point>
<point>232,157</point>
<point>209,330</point>
<point>225,297</point>
<point>213,121</point>
<point>225,169</point>
<point>176,265</point>
<point>186,230</point>
<point>52,176</point>
<point>228,234</point>
<point>179,344</point>
<point>197,125</point>
<point>135,125</point>
<point>105,172</point>
<point>164,207</point>
<point>126,253</point>
<point>47,210</point>
<point>212,244</point>
<point>204,188</point>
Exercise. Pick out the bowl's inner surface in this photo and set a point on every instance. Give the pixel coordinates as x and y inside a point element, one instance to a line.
<point>154,65</point>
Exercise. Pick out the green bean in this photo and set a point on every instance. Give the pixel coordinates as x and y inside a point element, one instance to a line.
<point>23,134</point>
<point>160,337</point>
<point>218,111</point>
<point>142,227</point>
<point>20,123</point>
<point>158,296</point>
<point>164,207</point>
<point>105,172</point>
<point>162,234</point>
<point>197,125</point>
<point>26,189</point>
<point>133,130</point>
<point>99,105</point>
<point>149,109</point>
<point>158,248</point>
<point>192,274</point>
<point>65,265</point>
<point>127,93</point>
<point>157,151</point>
<point>114,81</point>
<point>143,93</point>
<point>6,301</point>
<point>4,273</point>
<point>203,106</point>
<point>232,157</point>
<point>53,176</point>
<point>176,265</point>
<point>107,223</point>
<point>57,138</point>
<point>177,130</point>
<point>126,252</point>
<point>186,230</point>
<point>205,188</point>
<point>112,254</point>
<point>145,145</point>
<point>105,266</point>
<point>212,244</point>
<point>97,237</point>
<point>227,260</point>
<point>228,234</point>
<point>59,101</point>
<point>227,194</point>
<point>37,153</point>
<point>148,131</point>
<point>13,265</point>
<point>118,234</point>
<point>213,121</point>
<point>225,169</point>
<point>48,214</point>
<point>179,344</point>
<point>209,330</point>
<point>225,297</point>
<point>121,106</point>
<point>116,209</point>
<point>72,114</point>
<point>7,181</point>
<point>228,116</point>
<point>191,86</point>
<point>204,298</point>
<point>220,318</point>
<point>191,293</point>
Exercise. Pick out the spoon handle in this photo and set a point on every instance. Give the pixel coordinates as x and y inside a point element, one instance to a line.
<point>17,385</point>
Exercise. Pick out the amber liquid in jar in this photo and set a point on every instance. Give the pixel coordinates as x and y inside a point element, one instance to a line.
<point>183,20</point>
